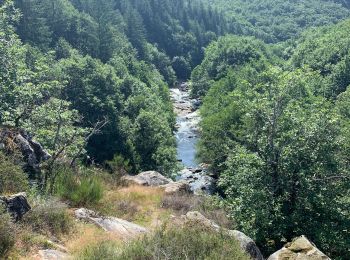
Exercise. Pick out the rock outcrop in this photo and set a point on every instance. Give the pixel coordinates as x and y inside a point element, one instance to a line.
<point>13,139</point>
<point>300,249</point>
<point>120,227</point>
<point>16,205</point>
<point>246,243</point>
<point>50,254</point>
<point>177,187</point>
<point>149,178</point>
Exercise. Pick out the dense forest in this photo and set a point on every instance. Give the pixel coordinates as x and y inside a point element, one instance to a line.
<point>89,80</point>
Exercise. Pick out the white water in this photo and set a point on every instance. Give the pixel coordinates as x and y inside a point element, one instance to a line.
<point>187,124</point>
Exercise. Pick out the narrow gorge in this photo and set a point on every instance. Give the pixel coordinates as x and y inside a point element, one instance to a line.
<point>187,137</point>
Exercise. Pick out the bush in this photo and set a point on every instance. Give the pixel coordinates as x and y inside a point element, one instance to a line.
<point>49,217</point>
<point>7,237</point>
<point>12,177</point>
<point>119,165</point>
<point>209,206</point>
<point>79,189</point>
<point>190,242</point>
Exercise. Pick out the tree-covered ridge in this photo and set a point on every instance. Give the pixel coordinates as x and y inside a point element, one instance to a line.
<point>276,133</point>
<point>327,50</point>
<point>64,98</point>
<point>168,34</point>
<point>277,20</point>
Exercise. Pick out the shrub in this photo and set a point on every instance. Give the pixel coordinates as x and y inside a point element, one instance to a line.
<point>49,217</point>
<point>210,207</point>
<point>7,237</point>
<point>190,242</point>
<point>12,177</point>
<point>119,165</point>
<point>79,189</point>
<point>181,203</point>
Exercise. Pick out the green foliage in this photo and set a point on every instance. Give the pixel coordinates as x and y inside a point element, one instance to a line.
<point>119,165</point>
<point>190,242</point>
<point>82,189</point>
<point>227,53</point>
<point>279,20</point>
<point>326,50</point>
<point>279,149</point>
<point>7,234</point>
<point>12,177</point>
<point>49,217</point>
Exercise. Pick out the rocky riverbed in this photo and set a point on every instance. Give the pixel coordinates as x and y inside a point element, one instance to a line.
<point>187,136</point>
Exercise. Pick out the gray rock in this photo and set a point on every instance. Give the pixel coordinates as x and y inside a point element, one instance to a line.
<point>149,178</point>
<point>50,254</point>
<point>177,187</point>
<point>246,243</point>
<point>199,181</point>
<point>32,152</point>
<point>120,227</point>
<point>301,248</point>
<point>16,205</point>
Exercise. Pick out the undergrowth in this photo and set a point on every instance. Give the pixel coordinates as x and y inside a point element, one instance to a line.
<point>192,242</point>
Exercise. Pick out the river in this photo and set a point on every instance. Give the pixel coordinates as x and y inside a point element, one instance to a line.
<point>187,121</point>
<point>187,137</point>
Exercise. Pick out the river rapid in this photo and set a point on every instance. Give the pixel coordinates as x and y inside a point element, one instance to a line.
<point>187,122</point>
<point>187,137</point>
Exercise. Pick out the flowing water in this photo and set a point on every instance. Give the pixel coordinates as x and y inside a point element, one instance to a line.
<point>187,127</point>
<point>187,136</point>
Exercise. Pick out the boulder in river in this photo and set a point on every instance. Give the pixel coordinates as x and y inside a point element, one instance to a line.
<point>120,227</point>
<point>247,244</point>
<point>16,205</point>
<point>199,181</point>
<point>300,248</point>
<point>149,178</point>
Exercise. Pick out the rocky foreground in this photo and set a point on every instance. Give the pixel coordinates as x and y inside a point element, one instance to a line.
<point>18,206</point>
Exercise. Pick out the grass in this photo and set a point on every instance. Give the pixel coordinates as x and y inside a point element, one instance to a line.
<point>49,217</point>
<point>150,207</point>
<point>191,242</point>
<point>7,234</point>
<point>80,189</point>
<point>137,204</point>
<point>209,206</point>
<point>12,177</point>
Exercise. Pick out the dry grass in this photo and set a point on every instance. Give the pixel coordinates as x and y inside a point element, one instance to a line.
<point>137,204</point>
<point>146,206</point>
<point>88,235</point>
<point>180,204</point>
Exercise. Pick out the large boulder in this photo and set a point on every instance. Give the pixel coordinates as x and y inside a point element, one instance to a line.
<point>300,249</point>
<point>14,139</point>
<point>16,205</point>
<point>120,227</point>
<point>149,178</point>
<point>247,244</point>
<point>177,187</point>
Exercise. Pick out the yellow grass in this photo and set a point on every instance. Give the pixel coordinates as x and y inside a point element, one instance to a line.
<point>138,204</point>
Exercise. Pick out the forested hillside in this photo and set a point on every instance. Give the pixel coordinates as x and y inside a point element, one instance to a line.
<point>278,20</point>
<point>85,100</point>
<point>276,133</point>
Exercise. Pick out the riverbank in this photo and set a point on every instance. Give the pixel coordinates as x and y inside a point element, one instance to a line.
<point>187,137</point>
